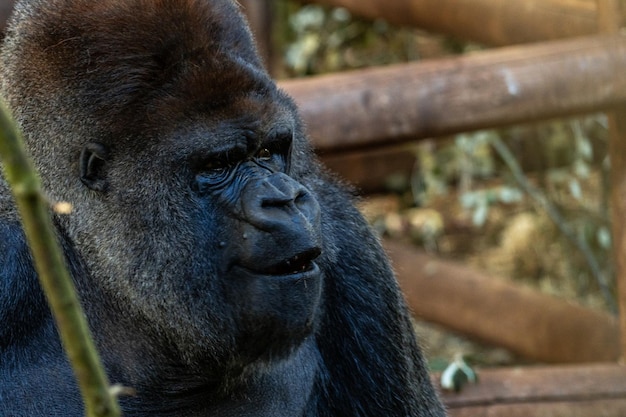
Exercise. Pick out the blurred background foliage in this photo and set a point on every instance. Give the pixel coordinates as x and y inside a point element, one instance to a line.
<point>462,199</point>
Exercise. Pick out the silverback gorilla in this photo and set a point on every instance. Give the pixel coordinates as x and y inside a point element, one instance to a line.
<point>222,272</point>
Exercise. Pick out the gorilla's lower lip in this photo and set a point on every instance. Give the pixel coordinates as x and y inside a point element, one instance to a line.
<point>297,264</point>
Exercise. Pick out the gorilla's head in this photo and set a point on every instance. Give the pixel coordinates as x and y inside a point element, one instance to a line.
<point>187,168</point>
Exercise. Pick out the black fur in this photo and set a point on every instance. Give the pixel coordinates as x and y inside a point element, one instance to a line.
<point>222,272</point>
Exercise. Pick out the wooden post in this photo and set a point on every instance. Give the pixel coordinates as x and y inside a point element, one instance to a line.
<point>492,22</point>
<point>617,152</point>
<point>6,7</point>
<point>608,22</point>
<point>259,14</point>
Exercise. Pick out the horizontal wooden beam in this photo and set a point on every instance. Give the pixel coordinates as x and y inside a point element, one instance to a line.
<point>590,390</point>
<point>526,322</point>
<point>492,22</point>
<point>542,384</point>
<point>506,86</point>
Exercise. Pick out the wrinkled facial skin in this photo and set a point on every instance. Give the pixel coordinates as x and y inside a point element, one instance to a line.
<point>267,264</point>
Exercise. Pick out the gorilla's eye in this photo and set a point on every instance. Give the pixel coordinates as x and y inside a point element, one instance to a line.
<point>264,154</point>
<point>273,157</point>
<point>216,167</point>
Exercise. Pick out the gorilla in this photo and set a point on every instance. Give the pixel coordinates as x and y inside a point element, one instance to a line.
<point>222,271</point>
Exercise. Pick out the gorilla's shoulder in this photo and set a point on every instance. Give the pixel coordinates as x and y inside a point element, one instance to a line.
<point>22,305</point>
<point>13,251</point>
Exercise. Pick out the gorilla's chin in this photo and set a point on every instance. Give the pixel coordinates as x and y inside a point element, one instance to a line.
<point>281,309</point>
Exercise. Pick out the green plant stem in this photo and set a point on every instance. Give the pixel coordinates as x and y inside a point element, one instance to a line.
<point>558,220</point>
<point>53,274</point>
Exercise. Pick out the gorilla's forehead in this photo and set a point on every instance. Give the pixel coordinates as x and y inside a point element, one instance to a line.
<point>134,56</point>
<point>134,25</point>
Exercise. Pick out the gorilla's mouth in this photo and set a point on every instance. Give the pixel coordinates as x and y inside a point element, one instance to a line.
<point>300,263</point>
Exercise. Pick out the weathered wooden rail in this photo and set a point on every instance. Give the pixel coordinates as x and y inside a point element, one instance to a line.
<point>382,106</point>
<point>531,324</point>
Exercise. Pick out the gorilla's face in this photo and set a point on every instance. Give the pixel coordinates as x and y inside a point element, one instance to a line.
<point>187,169</point>
<point>213,213</point>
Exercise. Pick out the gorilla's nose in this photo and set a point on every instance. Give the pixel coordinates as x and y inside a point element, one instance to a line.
<point>279,204</point>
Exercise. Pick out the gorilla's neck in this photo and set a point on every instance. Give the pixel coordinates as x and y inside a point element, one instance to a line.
<point>283,390</point>
<point>165,387</point>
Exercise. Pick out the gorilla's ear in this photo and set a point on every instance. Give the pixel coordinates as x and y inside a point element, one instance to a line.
<point>92,161</point>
